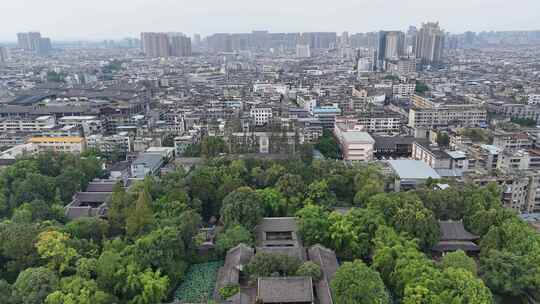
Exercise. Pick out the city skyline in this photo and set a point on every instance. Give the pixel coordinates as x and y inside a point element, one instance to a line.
<point>76,20</point>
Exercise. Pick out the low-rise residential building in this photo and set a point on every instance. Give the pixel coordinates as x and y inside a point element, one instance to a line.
<point>181,143</point>
<point>261,115</point>
<point>393,146</point>
<point>511,140</point>
<point>520,188</point>
<point>89,124</point>
<point>374,122</point>
<point>431,155</point>
<point>146,164</point>
<point>462,115</point>
<point>403,90</point>
<point>515,110</point>
<point>401,67</point>
<point>59,144</point>
<point>510,160</point>
<point>117,143</point>
<point>409,173</point>
<point>483,157</point>
<point>327,115</point>
<point>533,99</point>
<point>355,145</point>
<point>30,125</point>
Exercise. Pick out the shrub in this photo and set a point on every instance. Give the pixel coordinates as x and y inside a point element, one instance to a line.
<point>310,269</point>
<point>229,291</point>
<point>267,264</point>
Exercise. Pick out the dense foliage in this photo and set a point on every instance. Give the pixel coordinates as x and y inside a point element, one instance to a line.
<point>229,291</point>
<point>356,283</point>
<point>525,122</point>
<point>272,264</point>
<point>421,87</point>
<point>142,251</point>
<point>328,146</point>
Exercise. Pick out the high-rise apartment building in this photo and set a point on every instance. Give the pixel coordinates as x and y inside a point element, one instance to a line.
<point>303,51</point>
<point>320,40</point>
<point>344,39</point>
<point>260,40</point>
<point>392,44</point>
<point>165,44</point>
<point>197,40</point>
<point>32,41</point>
<point>155,44</point>
<point>22,41</point>
<point>179,45</point>
<point>429,43</point>
<point>44,46</point>
<point>3,54</point>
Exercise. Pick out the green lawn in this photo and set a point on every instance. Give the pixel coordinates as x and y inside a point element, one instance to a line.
<point>198,286</point>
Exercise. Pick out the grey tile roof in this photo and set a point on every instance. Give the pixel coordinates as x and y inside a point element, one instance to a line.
<point>278,224</point>
<point>455,231</point>
<point>106,186</point>
<point>327,261</point>
<point>229,273</point>
<point>285,290</point>
<point>296,251</point>
<point>444,246</point>
<point>77,212</point>
<point>92,197</point>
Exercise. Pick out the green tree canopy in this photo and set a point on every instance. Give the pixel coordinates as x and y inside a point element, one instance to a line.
<point>310,269</point>
<point>34,285</point>
<point>242,207</point>
<point>75,289</point>
<point>356,283</point>
<point>459,259</point>
<point>268,264</point>
<point>232,237</point>
<point>141,218</point>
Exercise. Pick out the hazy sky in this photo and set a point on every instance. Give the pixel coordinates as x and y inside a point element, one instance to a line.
<point>101,19</point>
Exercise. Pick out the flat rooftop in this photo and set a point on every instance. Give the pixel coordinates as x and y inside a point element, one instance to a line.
<point>413,169</point>
<point>352,136</point>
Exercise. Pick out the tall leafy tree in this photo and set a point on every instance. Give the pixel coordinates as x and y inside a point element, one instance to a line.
<point>406,213</point>
<point>459,259</point>
<point>314,225</point>
<point>351,233</point>
<point>33,285</point>
<point>212,146</point>
<point>75,289</point>
<point>141,218</point>
<point>53,246</point>
<point>242,207</point>
<point>145,287</point>
<point>17,248</point>
<point>161,249</point>
<point>274,203</point>
<point>356,283</point>
<point>118,206</point>
<point>89,228</point>
<point>319,193</point>
<point>6,296</point>
<point>232,237</point>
